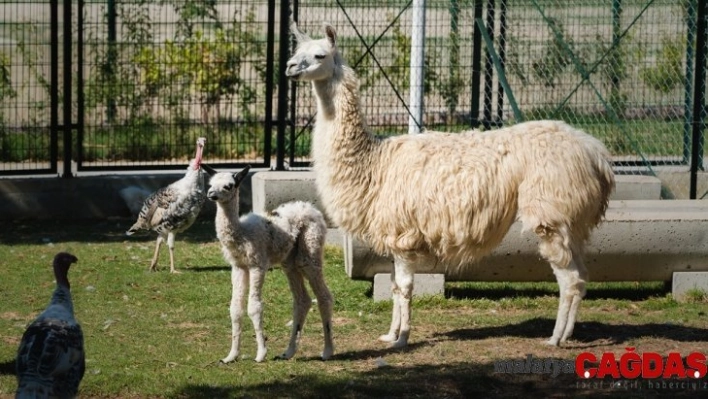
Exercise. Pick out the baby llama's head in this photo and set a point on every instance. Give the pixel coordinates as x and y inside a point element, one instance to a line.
<point>224,185</point>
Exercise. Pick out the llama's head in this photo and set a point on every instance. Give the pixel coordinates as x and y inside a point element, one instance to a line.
<point>224,185</point>
<point>314,59</point>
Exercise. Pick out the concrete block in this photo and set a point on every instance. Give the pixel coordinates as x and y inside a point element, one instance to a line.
<point>636,187</point>
<point>686,281</point>
<point>273,188</point>
<point>423,284</point>
<point>638,241</point>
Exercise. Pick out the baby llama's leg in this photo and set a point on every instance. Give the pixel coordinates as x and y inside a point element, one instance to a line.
<point>255,307</point>
<point>171,247</point>
<point>239,282</point>
<point>325,302</point>
<point>301,305</point>
<point>158,244</point>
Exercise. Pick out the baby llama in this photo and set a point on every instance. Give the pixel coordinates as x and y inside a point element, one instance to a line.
<point>292,235</point>
<point>451,197</point>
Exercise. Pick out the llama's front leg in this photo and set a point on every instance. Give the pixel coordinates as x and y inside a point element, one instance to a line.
<point>325,302</point>
<point>158,243</point>
<point>301,305</point>
<point>404,281</point>
<point>395,312</point>
<point>239,282</point>
<point>255,308</point>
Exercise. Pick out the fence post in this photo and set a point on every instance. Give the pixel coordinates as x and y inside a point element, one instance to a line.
<point>476,64</point>
<point>54,85</point>
<point>488,68</point>
<point>698,98</point>
<point>270,83</point>
<point>283,54</point>
<point>66,103</point>
<point>688,84</point>
<point>415,118</point>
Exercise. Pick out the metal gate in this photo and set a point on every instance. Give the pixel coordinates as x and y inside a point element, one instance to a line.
<point>130,85</point>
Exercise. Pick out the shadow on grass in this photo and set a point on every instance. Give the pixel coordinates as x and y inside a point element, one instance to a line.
<point>202,269</point>
<point>7,367</point>
<point>103,231</point>
<point>585,332</point>
<point>454,380</point>
<point>641,293</point>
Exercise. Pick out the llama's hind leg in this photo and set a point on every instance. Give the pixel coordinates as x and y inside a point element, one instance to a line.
<point>239,282</point>
<point>580,277</point>
<point>571,275</point>
<point>325,302</point>
<point>255,308</point>
<point>301,305</point>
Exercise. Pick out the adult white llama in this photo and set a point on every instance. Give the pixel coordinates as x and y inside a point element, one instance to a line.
<point>294,236</point>
<point>451,197</point>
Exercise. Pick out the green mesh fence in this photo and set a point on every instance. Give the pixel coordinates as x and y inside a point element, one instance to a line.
<point>620,69</point>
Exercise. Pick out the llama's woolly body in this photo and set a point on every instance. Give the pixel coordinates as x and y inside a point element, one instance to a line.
<point>451,197</point>
<point>469,188</point>
<point>293,235</point>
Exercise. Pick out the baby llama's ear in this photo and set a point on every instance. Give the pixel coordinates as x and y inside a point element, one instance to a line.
<point>238,177</point>
<point>331,34</point>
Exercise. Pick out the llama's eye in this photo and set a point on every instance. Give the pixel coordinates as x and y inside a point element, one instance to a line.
<point>229,186</point>
<point>320,56</point>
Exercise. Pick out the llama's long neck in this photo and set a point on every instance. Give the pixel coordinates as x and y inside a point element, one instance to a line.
<point>228,227</point>
<point>342,145</point>
<point>339,120</point>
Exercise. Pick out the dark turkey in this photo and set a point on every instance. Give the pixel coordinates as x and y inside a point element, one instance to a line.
<point>50,360</point>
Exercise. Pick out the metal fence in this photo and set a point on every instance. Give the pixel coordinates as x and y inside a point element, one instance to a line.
<point>121,85</point>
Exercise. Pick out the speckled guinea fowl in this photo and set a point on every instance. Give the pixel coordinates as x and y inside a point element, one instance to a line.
<point>173,209</point>
<point>50,360</point>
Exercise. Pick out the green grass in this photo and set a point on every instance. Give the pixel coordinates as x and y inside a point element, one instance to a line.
<point>161,335</point>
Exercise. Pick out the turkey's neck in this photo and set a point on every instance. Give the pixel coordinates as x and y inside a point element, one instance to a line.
<point>62,293</point>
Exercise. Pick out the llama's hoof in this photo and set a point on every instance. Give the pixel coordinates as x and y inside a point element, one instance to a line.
<point>327,354</point>
<point>388,338</point>
<point>284,356</point>
<point>175,272</point>
<point>551,342</point>
<point>399,344</point>
<point>227,360</point>
<point>260,356</point>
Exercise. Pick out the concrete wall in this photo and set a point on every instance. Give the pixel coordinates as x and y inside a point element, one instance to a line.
<point>86,197</point>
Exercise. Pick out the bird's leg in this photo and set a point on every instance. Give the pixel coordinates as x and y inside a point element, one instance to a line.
<point>171,247</point>
<point>153,264</point>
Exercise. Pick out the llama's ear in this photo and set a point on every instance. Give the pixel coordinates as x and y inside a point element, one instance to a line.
<point>238,177</point>
<point>331,34</point>
<point>300,36</point>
